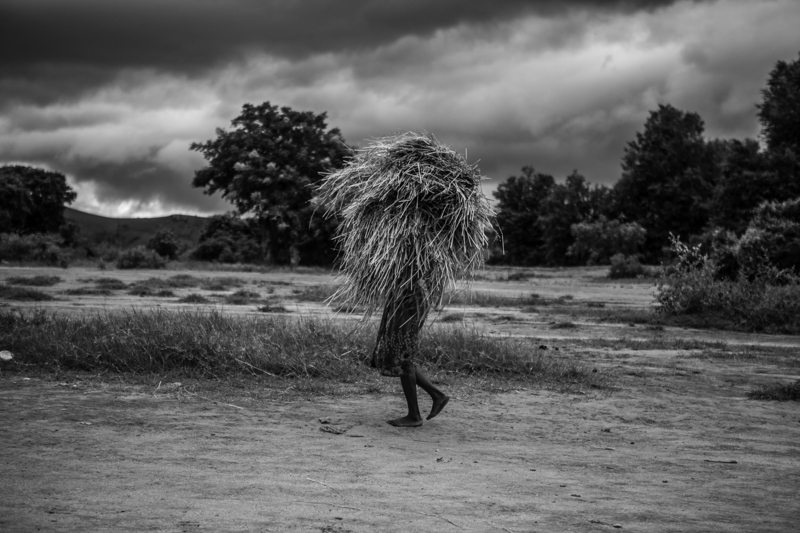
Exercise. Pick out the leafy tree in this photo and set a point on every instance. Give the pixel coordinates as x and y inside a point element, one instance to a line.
<point>519,201</point>
<point>32,200</point>
<point>566,205</point>
<point>747,178</point>
<point>597,242</point>
<point>266,165</point>
<point>229,238</point>
<point>773,237</point>
<point>668,178</point>
<point>164,244</point>
<point>779,113</point>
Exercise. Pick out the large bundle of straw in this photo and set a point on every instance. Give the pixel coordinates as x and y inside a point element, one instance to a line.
<point>412,215</point>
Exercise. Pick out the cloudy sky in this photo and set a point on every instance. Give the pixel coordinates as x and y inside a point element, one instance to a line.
<point>112,93</point>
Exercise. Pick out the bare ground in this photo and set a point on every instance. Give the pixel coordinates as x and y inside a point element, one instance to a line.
<point>676,447</point>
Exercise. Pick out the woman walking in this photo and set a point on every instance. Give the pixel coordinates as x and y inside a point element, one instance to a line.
<point>413,220</point>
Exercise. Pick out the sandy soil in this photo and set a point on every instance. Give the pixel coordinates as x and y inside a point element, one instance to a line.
<point>677,447</point>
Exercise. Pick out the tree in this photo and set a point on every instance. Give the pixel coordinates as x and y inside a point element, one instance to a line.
<point>266,165</point>
<point>746,180</point>
<point>568,204</point>
<point>519,201</point>
<point>597,242</point>
<point>779,113</point>
<point>164,244</point>
<point>32,199</point>
<point>669,174</point>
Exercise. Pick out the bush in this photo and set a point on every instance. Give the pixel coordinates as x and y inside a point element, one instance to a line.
<point>626,266</point>
<point>164,244</point>
<point>229,239</point>
<point>23,294</point>
<point>36,247</point>
<point>762,299</point>
<point>140,257</point>
<point>597,242</point>
<point>779,392</point>
<point>774,233</point>
<point>34,281</point>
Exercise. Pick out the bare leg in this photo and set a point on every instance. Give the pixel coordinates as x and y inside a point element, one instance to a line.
<point>413,419</point>
<point>439,398</point>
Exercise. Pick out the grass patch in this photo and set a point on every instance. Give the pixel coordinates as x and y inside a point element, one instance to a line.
<point>148,291</point>
<point>221,283</point>
<point>487,299</point>
<point>194,299</point>
<point>183,281</point>
<point>112,284</point>
<point>23,294</point>
<point>273,308</point>
<point>314,293</point>
<point>88,291</point>
<point>242,297</point>
<point>778,392</point>
<point>34,281</point>
<point>216,345</point>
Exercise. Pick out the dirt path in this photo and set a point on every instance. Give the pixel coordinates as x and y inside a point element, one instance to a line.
<point>678,448</point>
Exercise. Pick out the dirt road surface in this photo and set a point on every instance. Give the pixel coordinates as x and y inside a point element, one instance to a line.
<point>679,448</point>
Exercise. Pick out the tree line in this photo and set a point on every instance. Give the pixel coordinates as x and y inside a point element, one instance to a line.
<point>674,181</point>
<point>723,194</point>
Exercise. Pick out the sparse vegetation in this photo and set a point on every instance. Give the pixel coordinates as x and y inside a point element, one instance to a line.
<point>781,392</point>
<point>759,299</point>
<point>23,294</point>
<point>34,248</point>
<point>34,281</point>
<point>88,291</point>
<point>626,266</point>
<point>194,299</point>
<point>140,257</point>
<point>213,344</point>
<point>113,284</point>
<point>242,297</point>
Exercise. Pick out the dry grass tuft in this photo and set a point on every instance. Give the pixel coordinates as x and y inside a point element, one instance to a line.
<point>34,281</point>
<point>23,294</point>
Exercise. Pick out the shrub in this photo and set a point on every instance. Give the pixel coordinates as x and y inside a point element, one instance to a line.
<point>762,299</point>
<point>626,266</point>
<point>780,392</point>
<point>34,281</point>
<point>242,297</point>
<point>194,299</point>
<point>140,257</point>
<point>164,244</point>
<point>23,294</point>
<point>36,247</point>
<point>773,232</point>
<point>597,242</point>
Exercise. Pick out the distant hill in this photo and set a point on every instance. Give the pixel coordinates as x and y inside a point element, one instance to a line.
<point>129,232</point>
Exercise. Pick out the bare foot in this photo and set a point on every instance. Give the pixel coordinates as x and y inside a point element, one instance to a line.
<point>438,405</point>
<point>405,422</point>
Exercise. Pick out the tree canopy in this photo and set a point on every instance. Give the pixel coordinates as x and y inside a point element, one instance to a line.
<point>668,177</point>
<point>519,201</point>
<point>779,113</point>
<point>266,165</point>
<point>32,200</point>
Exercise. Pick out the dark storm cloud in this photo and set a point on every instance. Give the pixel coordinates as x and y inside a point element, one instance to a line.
<point>113,93</point>
<point>193,34</point>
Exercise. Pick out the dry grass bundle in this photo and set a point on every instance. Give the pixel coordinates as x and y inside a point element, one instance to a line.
<point>411,210</point>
